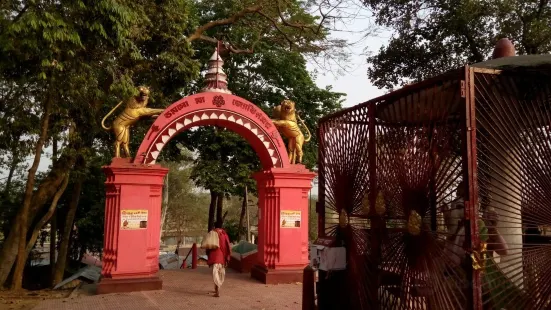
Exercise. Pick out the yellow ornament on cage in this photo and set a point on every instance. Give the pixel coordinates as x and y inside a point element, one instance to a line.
<point>380,208</point>
<point>365,203</point>
<point>343,219</point>
<point>414,223</point>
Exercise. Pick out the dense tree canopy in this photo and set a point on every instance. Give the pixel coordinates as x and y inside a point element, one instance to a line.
<point>433,36</point>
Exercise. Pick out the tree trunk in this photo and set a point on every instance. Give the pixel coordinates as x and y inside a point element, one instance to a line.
<point>212,209</point>
<point>27,200</point>
<point>9,251</point>
<point>47,188</point>
<point>53,220</point>
<point>219,209</point>
<point>45,191</point>
<point>65,237</point>
<point>47,217</point>
<point>242,231</point>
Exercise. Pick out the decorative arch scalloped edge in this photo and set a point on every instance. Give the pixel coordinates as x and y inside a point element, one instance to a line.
<point>266,144</point>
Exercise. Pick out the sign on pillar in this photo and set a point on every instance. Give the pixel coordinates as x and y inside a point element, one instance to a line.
<point>132,227</point>
<point>282,224</point>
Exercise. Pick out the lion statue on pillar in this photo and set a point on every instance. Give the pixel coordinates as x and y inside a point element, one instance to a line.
<point>136,108</point>
<point>285,119</point>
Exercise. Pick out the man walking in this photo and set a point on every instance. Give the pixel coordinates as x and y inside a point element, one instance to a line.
<point>219,258</point>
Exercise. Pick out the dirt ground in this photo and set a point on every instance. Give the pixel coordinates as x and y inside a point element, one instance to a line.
<point>188,289</point>
<point>26,300</point>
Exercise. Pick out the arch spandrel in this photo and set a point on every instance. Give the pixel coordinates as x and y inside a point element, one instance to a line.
<point>225,110</point>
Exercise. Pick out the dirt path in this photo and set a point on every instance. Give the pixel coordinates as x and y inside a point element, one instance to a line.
<point>27,300</point>
<point>189,289</point>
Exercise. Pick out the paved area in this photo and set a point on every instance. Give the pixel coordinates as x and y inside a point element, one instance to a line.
<point>189,289</point>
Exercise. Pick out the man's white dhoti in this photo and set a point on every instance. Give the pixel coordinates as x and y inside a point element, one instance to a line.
<point>218,274</point>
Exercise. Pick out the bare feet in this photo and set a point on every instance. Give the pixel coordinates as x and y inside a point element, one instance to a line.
<point>216,292</point>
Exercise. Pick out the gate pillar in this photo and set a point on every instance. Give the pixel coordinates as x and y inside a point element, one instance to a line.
<point>282,224</point>
<point>132,227</point>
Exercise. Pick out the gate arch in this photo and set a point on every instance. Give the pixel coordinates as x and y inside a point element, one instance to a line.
<point>225,110</point>
<point>134,190</point>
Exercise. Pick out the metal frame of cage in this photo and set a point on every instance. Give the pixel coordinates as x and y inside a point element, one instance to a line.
<point>414,146</point>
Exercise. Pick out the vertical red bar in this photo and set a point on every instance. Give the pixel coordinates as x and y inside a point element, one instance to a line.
<point>194,256</point>
<point>471,209</point>
<point>320,204</point>
<point>377,223</point>
<point>372,157</point>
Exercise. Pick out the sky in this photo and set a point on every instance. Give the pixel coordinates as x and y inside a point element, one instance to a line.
<point>353,82</point>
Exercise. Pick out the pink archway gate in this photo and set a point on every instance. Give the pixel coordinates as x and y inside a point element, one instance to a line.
<point>229,111</point>
<point>134,188</point>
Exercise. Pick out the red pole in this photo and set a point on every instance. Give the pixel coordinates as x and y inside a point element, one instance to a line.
<point>194,256</point>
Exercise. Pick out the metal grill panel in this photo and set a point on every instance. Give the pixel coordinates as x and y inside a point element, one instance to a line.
<point>418,168</point>
<point>513,114</point>
<point>344,168</point>
<point>416,140</point>
<point>407,153</point>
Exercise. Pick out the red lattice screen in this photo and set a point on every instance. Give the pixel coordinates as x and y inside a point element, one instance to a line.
<point>399,176</point>
<point>513,117</point>
<point>344,172</point>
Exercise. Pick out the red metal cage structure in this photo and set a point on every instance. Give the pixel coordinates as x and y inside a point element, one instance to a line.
<point>441,191</point>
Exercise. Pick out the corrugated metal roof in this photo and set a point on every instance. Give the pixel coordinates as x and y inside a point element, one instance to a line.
<point>517,62</point>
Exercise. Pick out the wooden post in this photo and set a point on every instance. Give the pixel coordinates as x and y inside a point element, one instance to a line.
<point>308,289</point>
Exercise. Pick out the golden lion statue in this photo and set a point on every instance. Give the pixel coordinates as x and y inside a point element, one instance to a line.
<point>136,108</point>
<point>285,119</point>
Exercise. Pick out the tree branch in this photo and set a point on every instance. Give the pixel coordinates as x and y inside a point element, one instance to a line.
<point>276,26</point>
<point>198,34</point>
<point>287,23</point>
<point>230,47</point>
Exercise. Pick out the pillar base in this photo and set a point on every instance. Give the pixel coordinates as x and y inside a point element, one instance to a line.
<point>277,276</point>
<point>108,286</point>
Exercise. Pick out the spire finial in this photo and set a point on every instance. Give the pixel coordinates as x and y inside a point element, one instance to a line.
<point>504,48</point>
<point>216,79</point>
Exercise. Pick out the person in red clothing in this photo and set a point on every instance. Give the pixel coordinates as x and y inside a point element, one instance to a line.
<point>219,258</point>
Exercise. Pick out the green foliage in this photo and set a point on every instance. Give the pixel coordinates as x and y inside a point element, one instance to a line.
<point>89,218</point>
<point>225,162</point>
<point>232,229</point>
<point>433,36</point>
<point>312,219</point>
<point>186,209</point>
<point>10,203</point>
